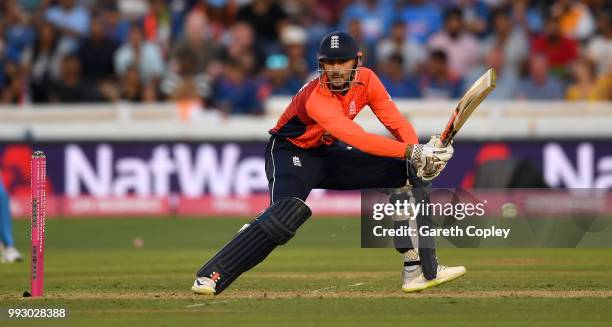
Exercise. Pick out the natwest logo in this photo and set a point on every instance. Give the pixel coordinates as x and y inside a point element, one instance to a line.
<point>179,167</point>
<point>585,172</point>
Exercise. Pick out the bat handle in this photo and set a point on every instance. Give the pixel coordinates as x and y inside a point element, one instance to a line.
<point>442,142</point>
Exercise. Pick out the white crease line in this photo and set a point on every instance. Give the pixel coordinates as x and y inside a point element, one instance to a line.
<point>356,284</point>
<point>228,301</point>
<point>333,287</point>
<point>209,303</point>
<point>325,289</point>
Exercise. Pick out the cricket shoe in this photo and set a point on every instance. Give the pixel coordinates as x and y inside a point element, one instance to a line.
<point>204,286</point>
<point>414,281</point>
<point>11,254</point>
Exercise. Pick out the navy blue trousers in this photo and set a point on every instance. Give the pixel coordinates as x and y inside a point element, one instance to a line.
<point>293,171</point>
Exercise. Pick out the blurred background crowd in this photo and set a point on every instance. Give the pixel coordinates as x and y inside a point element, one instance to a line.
<point>232,54</point>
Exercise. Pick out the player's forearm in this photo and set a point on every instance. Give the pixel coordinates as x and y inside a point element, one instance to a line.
<point>370,143</point>
<point>397,124</point>
<point>409,149</point>
<point>407,134</point>
<point>379,146</point>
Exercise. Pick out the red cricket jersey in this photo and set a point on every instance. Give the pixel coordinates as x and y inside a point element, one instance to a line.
<point>315,114</point>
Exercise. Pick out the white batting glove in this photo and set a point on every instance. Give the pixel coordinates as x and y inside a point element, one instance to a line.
<point>429,160</point>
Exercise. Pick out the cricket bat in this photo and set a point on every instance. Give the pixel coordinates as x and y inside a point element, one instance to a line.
<point>467,104</point>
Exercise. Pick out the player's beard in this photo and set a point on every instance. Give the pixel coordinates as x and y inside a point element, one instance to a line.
<point>338,81</point>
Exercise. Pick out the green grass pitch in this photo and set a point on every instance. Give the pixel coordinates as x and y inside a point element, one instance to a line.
<point>320,278</point>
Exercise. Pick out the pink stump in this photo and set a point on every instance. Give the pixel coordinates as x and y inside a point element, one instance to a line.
<point>39,204</point>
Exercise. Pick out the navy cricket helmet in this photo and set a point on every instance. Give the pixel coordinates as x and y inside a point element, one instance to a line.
<point>338,46</point>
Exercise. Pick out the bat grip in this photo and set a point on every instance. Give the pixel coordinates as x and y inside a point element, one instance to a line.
<point>442,142</point>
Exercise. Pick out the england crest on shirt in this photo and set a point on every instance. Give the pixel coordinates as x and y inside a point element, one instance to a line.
<point>352,109</point>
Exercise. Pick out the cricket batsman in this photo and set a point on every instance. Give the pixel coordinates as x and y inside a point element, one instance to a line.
<point>316,144</point>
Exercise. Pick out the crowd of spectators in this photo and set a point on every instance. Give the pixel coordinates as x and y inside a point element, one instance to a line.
<point>232,54</point>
